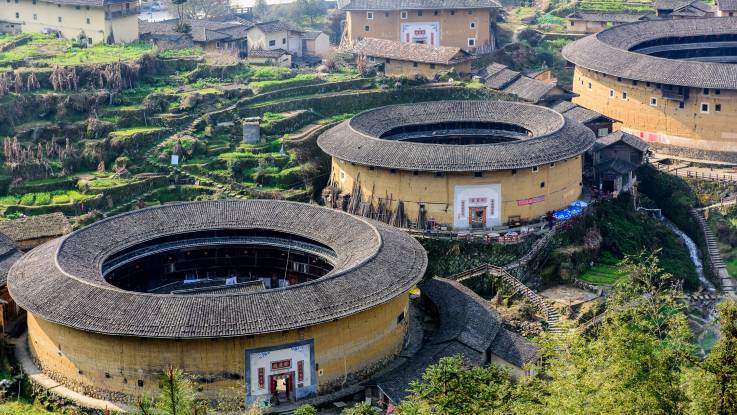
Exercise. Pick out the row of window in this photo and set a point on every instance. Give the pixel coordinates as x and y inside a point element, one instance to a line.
<point>35,17</point>
<point>272,42</point>
<point>405,14</point>
<point>704,91</point>
<point>534,169</point>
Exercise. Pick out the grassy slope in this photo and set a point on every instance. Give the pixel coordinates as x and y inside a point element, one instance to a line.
<point>22,408</point>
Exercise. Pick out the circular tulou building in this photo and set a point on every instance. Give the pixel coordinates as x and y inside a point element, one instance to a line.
<point>461,164</point>
<point>670,82</point>
<point>271,298</point>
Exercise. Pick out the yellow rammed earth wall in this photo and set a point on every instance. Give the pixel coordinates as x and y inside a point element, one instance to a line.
<point>74,20</point>
<point>407,69</point>
<point>455,29</point>
<point>663,122</point>
<point>562,186</point>
<point>111,367</point>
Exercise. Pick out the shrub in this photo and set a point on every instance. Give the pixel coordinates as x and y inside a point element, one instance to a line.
<point>27,199</point>
<point>60,199</point>
<point>8,200</point>
<point>43,199</point>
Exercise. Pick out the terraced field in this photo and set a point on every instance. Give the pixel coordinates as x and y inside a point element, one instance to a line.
<point>604,271</point>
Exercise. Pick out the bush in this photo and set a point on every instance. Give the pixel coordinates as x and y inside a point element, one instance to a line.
<point>60,199</point>
<point>306,410</point>
<point>27,199</point>
<point>43,199</point>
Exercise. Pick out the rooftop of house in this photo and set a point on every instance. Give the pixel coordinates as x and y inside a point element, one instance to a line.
<point>500,77</point>
<point>276,26</point>
<point>467,326</point>
<point>550,137</point>
<point>267,53</point>
<point>726,4</point>
<point>9,254</point>
<point>36,227</point>
<point>201,31</point>
<point>90,3</point>
<point>578,113</point>
<point>605,16</point>
<point>359,5</point>
<point>373,264</point>
<point>620,137</point>
<point>313,34</point>
<point>412,52</point>
<point>610,52</point>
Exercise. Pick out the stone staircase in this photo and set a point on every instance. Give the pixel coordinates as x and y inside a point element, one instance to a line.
<point>716,262</point>
<point>550,314</point>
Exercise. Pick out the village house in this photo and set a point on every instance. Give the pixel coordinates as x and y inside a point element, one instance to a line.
<point>212,36</point>
<point>500,78</point>
<point>91,21</point>
<point>600,124</point>
<point>466,24</point>
<point>680,9</point>
<point>726,8</point>
<point>30,232</point>
<point>402,59</point>
<point>615,159</point>
<point>594,22</point>
<point>315,43</point>
<point>275,36</point>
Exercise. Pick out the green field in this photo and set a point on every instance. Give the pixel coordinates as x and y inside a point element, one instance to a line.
<point>22,408</point>
<point>604,272</point>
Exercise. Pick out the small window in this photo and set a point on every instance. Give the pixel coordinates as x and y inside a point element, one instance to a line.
<point>542,185</point>
<point>432,66</point>
<point>647,83</point>
<point>88,20</point>
<point>89,40</point>
<point>140,383</point>
<point>706,91</point>
<point>681,104</point>
<point>624,95</point>
<point>371,59</point>
<point>452,12</point>
<point>634,82</point>
<point>366,29</point>
<point>472,25</point>
<point>438,174</point>
<point>470,12</point>
<point>414,64</point>
<point>272,43</point>
<point>717,107</point>
<point>76,7</point>
<point>478,174</point>
<point>552,165</point>
<point>403,15</point>
<point>535,169</point>
<point>619,79</point>
<point>388,61</point>
<point>419,12</point>
<point>435,13</point>
<point>415,173</point>
<point>717,92</point>
<point>35,17</point>
<point>33,2</point>
<point>589,85</point>
<point>611,93</point>
<point>653,102</point>
<point>17,15</point>
<point>514,171</point>
<point>386,14</point>
<point>393,171</point>
<point>370,15</point>
<point>400,317</point>
<point>704,107</point>
<point>602,132</point>
<point>59,19</point>
<point>284,41</point>
<point>471,41</point>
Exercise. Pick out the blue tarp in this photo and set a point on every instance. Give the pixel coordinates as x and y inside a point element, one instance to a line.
<point>574,209</point>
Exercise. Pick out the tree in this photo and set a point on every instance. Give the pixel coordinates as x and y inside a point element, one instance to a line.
<point>179,5</point>
<point>635,361</point>
<point>713,388</point>
<point>306,409</point>
<point>310,9</point>
<point>261,9</point>
<point>362,408</point>
<point>176,396</point>
<point>452,387</point>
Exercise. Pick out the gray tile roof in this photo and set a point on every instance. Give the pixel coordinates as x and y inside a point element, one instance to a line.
<point>90,3</point>
<point>9,254</point>
<point>727,4</point>
<point>500,77</point>
<point>553,137</point>
<point>578,113</point>
<point>412,52</point>
<point>606,17</point>
<point>609,52</point>
<point>416,4</point>
<point>672,4</point>
<point>202,31</point>
<point>468,326</point>
<point>617,166</point>
<point>277,26</point>
<point>620,136</point>
<point>61,280</point>
<point>50,225</point>
<point>267,53</point>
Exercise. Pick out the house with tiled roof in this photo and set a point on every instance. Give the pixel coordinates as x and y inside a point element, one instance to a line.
<point>680,9</point>
<point>412,59</point>
<point>592,21</point>
<point>32,231</point>
<point>466,24</point>
<point>211,35</point>
<point>92,21</point>
<point>616,158</point>
<point>600,124</point>
<point>726,7</point>
<point>275,35</point>
<point>500,78</point>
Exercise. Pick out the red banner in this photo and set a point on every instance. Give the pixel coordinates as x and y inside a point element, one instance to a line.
<point>530,201</point>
